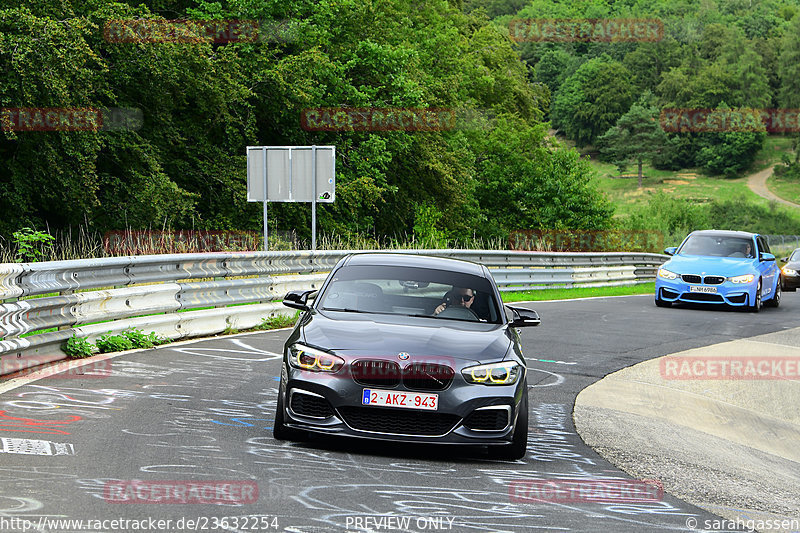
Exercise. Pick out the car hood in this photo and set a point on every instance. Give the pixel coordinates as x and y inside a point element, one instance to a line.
<point>387,335</point>
<point>722,266</point>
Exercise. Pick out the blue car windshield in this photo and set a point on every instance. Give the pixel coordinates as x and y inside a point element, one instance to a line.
<point>718,246</point>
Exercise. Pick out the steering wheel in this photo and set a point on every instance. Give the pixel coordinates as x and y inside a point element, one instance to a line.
<point>463,313</point>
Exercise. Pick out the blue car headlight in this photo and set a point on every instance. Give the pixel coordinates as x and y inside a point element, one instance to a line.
<point>745,278</point>
<point>666,274</point>
<point>503,373</point>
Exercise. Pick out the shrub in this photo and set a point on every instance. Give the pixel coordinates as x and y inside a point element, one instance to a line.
<point>29,244</point>
<point>114,343</point>
<point>78,348</point>
<point>140,340</point>
<point>278,321</point>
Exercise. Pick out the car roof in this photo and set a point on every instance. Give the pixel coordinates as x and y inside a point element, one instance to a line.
<point>724,233</point>
<point>415,260</point>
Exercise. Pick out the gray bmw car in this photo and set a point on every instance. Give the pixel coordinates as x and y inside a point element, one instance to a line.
<point>406,348</point>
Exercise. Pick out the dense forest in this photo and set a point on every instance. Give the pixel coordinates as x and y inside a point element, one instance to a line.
<point>202,102</point>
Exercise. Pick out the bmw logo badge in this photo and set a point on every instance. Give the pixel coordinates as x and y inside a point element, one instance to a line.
<point>403,356</point>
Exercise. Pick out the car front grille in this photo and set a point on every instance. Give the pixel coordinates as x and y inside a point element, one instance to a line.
<point>740,299</point>
<point>398,422</point>
<point>691,278</point>
<point>488,419</point>
<point>702,297</point>
<point>427,376</point>
<point>309,405</point>
<point>376,373</point>
<point>713,280</point>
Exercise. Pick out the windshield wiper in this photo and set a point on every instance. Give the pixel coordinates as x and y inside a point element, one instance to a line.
<point>344,309</point>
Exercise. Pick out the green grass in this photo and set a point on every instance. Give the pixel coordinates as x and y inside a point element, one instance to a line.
<point>785,188</point>
<point>580,292</point>
<point>691,185</point>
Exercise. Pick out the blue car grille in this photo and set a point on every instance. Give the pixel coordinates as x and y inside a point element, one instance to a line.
<point>702,297</point>
<point>714,280</point>
<point>691,278</point>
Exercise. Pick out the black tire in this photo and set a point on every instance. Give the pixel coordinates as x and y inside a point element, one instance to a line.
<point>775,301</point>
<point>756,307</point>
<point>279,430</point>
<point>662,303</point>
<point>519,443</point>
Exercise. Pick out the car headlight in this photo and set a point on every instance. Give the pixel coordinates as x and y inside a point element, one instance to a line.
<point>666,274</point>
<point>789,271</point>
<point>504,373</point>
<point>313,360</point>
<point>746,278</point>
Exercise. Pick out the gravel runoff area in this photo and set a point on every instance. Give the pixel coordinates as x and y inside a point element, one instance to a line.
<point>730,446</point>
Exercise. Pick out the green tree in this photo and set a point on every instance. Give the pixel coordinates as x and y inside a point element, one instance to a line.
<point>636,137</point>
<point>590,101</point>
<point>789,74</point>
<point>728,152</point>
<point>528,181</point>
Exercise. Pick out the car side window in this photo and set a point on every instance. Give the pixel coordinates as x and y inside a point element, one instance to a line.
<point>763,247</point>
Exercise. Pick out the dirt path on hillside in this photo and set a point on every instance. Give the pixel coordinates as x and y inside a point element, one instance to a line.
<point>758,184</point>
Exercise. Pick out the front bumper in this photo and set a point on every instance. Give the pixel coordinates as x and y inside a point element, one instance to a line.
<point>790,282</point>
<point>726,293</point>
<point>448,424</point>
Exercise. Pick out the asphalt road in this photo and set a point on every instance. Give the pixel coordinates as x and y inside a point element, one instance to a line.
<point>202,412</point>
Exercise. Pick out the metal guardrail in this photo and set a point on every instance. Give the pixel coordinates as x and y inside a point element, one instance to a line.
<point>171,294</point>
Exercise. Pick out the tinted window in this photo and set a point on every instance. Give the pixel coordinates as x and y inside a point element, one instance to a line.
<point>762,244</point>
<point>718,246</point>
<point>795,256</point>
<point>408,291</point>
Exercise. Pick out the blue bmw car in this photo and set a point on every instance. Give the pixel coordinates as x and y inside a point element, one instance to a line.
<point>720,267</point>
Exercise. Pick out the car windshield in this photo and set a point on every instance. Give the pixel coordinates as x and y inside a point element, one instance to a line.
<point>410,291</point>
<point>795,256</point>
<point>717,246</point>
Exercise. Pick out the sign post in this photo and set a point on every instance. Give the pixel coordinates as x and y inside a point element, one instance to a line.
<point>291,174</point>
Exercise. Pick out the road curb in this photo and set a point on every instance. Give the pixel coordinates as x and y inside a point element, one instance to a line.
<point>728,446</point>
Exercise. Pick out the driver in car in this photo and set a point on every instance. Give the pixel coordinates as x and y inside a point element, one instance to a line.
<point>457,297</point>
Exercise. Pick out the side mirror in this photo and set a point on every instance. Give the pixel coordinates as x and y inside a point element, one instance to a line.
<point>671,250</point>
<point>524,317</point>
<point>785,259</point>
<point>298,299</point>
<point>767,257</point>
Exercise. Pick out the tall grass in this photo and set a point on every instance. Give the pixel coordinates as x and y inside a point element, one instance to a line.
<point>82,243</point>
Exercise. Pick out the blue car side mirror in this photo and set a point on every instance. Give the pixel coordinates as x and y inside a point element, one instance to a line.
<point>767,257</point>
<point>671,250</point>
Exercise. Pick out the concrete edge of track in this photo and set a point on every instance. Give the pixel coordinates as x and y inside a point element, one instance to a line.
<point>728,445</point>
